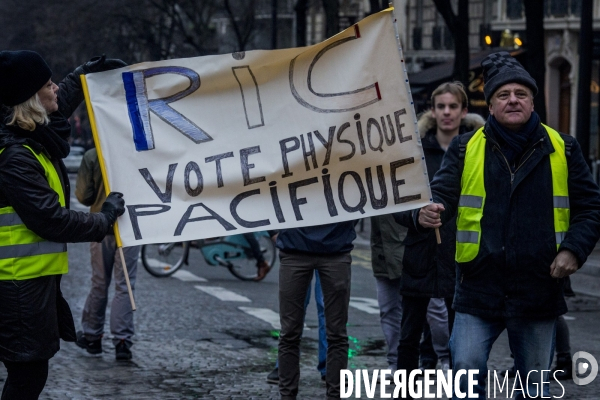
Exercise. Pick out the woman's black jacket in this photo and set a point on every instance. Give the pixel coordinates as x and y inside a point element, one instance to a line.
<point>29,318</point>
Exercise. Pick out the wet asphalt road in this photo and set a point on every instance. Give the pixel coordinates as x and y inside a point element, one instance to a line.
<point>189,344</point>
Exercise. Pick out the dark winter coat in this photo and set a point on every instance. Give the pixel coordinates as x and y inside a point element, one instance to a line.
<point>387,247</point>
<point>335,238</point>
<point>429,268</point>
<point>510,277</point>
<point>29,320</point>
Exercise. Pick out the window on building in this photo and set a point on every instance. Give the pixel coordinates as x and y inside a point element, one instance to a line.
<point>417,38</point>
<point>514,9</point>
<point>441,38</point>
<point>562,8</point>
<point>448,39</point>
<point>436,38</point>
<point>557,8</point>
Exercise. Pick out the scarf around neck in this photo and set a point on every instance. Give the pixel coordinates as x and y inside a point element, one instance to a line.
<point>53,137</point>
<point>513,144</point>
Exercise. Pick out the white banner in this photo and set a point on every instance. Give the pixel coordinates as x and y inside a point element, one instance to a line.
<point>218,145</point>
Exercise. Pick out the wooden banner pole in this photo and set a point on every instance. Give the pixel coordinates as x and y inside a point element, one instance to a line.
<point>126,273</point>
<point>92,118</point>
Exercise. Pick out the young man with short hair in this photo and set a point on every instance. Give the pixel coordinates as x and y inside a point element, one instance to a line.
<point>429,272</point>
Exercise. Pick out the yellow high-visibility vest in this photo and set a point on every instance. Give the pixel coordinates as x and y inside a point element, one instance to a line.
<point>23,254</point>
<point>472,194</point>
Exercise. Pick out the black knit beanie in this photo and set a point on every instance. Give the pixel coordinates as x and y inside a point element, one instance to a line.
<point>22,74</point>
<point>501,68</point>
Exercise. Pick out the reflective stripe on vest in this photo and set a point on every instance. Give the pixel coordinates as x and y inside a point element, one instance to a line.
<point>472,196</point>
<point>24,254</point>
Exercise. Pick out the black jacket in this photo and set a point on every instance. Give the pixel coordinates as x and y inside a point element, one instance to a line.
<point>23,184</point>
<point>429,268</point>
<point>29,322</point>
<point>510,277</point>
<point>331,238</point>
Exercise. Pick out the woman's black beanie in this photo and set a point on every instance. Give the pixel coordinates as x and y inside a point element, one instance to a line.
<point>22,74</point>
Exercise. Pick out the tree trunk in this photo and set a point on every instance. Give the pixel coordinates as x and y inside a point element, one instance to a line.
<point>273,24</point>
<point>535,58</point>
<point>461,44</point>
<point>584,95</point>
<point>332,18</point>
<point>300,9</point>
<point>459,28</point>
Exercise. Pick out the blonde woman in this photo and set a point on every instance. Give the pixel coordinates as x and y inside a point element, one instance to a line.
<point>35,220</point>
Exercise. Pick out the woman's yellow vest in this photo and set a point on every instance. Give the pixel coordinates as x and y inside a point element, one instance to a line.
<point>472,195</point>
<point>23,254</point>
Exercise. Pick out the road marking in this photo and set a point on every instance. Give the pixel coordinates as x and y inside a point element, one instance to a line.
<point>265,314</point>
<point>187,276</point>
<point>223,294</point>
<point>568,318</point>
<point>367,305</point>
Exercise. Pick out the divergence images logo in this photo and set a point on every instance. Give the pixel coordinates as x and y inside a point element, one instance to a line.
<point>582,363</point>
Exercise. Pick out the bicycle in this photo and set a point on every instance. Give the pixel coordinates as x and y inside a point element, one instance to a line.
<point>233,252</point>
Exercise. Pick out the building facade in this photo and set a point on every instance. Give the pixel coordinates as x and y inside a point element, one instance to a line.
<point>496,25</point>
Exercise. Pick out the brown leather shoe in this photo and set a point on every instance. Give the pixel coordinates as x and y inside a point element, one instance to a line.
<point>263,270</point>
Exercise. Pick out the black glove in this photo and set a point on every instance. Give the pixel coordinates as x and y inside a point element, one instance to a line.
<point>113,206</point>
<point>99,64</point>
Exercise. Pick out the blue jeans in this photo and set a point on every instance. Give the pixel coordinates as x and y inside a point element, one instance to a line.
<point>322,366</point>
<point>531,341</point>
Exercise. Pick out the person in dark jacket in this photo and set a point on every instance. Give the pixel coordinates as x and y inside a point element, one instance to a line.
<point>386,260</point>
<point>528,216</point>
<point>35,220</point>
<point>325,248</point>
<point>429,271</point>
<point>105,261</point>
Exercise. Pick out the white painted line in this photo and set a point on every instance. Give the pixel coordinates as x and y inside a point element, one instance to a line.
<point>223,294</point>
<point>264,314</point>
<point>568,318</point>
<point>370,306</point>
<point>187,276</point>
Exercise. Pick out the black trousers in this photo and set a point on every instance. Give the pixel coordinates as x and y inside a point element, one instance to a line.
<point>295,273</point>
<point>414,315</point>
<point>25,380</point>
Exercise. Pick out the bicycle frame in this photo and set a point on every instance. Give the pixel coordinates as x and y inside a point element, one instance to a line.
<point>230,248</point>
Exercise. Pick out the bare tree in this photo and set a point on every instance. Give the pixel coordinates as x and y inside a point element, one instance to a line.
<point>301,9</point>
<point>535,56</point>
<point>458,24</point>
<point>243,21</point>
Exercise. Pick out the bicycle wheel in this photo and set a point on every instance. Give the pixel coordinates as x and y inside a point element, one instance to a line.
<point>245,268</point>
<point>163,259</point>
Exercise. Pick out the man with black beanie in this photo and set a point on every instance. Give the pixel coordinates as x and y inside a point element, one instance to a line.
<point>528,216</point>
